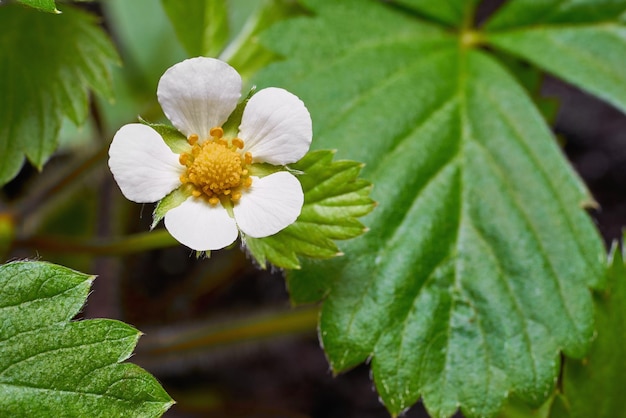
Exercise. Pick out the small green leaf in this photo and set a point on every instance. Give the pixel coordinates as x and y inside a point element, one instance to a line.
<point>334,197</point>
<point>49,62</point>
<point>44,5</point>
<point>594,386</point>
<point>590,55</point>
<point>201,25</point>
<point>51,366</point>
<point>476,270</point>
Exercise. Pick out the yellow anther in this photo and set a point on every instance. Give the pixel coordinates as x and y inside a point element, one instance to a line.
<point>237,142</point>
<point>216,132</point>
<point>216,167</point>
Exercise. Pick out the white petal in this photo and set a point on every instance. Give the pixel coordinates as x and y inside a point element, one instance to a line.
<point>143,166</point>
<point>200,226</point>
<point>272,203</point>
<point>198,94</point>
<point>276,127</point>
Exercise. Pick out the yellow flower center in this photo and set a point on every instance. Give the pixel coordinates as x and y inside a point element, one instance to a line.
<point>216,168</point>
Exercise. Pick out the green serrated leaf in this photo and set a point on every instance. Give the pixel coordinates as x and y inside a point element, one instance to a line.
<point>518,13</point>
<point>201,25</point>
<point>593,387</point>
<point>590,55</point>
<point>334,198</point>
<point>51,366</point>
<point>476,268</point>
<point>45,75</point>
<point>44,5</point>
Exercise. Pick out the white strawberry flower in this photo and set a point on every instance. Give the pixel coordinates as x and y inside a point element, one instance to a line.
<point>197,96</point>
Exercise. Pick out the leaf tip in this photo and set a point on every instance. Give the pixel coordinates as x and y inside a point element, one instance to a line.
<point>590,203</point>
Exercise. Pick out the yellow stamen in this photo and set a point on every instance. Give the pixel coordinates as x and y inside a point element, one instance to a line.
<point>237,142</point>
<point>216,168</point>
<point>216,132</point>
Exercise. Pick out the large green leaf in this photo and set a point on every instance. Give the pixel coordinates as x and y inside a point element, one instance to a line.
<point>594,387</point>
<point>48,64</point>
<point>476,268</point>
<point>590,54</point>
<point>51,366</point>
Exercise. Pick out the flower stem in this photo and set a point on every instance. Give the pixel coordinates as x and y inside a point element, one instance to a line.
<point>115,246</point>
<point>210,335</point>
<point>33,203</point>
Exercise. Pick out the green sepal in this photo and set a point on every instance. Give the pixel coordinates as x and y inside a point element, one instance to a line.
<point>231,126</point>
<point>171,136</point>
<point>169,202</point>
<point>334,197</point>
<point>265,169</point>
